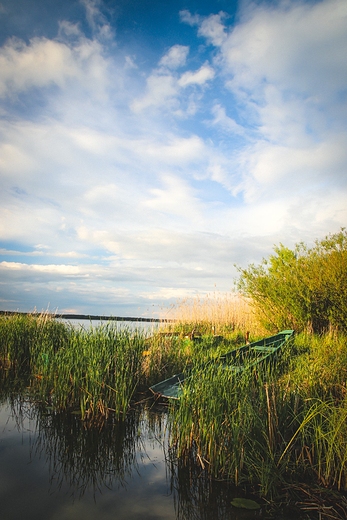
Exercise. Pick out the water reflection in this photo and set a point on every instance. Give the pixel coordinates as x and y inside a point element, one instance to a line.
<point>197,497</point>
<point>88,459</point>
<point>122,469</point>
<point>51,466</point>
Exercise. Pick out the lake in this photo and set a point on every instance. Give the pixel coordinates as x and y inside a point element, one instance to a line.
<point>145,326</point>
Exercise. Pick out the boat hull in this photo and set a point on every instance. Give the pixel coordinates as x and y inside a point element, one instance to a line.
<point>237,360</point>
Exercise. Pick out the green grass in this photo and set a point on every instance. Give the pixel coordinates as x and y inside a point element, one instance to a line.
<point>271,427</point>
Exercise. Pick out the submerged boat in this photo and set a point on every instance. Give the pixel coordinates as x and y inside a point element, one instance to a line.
<point>237,360</point>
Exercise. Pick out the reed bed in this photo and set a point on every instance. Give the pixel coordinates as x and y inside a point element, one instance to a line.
<point>93,372</point>
<point>96,374</point>
<point>24,338</point>
<point>273,427</point>
<point>217,313</point>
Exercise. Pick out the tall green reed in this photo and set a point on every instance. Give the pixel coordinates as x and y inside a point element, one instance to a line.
<point>93,371</point>
<point>266,426</point>
<point>96,374</point>
<point>26,339</point>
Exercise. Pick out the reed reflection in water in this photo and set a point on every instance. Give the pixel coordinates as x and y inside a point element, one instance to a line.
<point>51,466</point>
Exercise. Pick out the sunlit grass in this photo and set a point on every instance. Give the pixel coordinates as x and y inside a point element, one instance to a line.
<point>217,313</point>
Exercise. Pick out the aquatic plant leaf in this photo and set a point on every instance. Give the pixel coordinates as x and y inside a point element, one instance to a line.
<point>245,503</point>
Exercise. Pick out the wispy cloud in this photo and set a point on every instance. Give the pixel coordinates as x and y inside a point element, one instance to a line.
<point>165,88</point>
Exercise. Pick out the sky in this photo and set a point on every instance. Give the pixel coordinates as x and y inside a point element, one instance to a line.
<point>149,149</point>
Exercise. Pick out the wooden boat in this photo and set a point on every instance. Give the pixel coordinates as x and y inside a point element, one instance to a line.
<point>237,360</point>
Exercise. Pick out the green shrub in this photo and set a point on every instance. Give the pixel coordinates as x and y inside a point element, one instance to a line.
<point>302,289</point>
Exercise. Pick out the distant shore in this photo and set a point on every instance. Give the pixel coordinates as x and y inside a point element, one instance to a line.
<point>86,317</point>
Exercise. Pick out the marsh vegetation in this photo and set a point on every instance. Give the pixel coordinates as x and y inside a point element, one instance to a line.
<point>277,430</point>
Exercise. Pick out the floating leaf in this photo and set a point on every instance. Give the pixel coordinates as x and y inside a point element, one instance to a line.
<point>245,503</point>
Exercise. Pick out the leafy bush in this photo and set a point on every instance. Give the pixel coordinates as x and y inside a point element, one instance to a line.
<point>303,289</point>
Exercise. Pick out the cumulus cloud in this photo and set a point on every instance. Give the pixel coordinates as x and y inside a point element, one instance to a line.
<point>160,88</point>
<point>188,18</point>
<point>300,47</point>
<point>210,27</point>
<point>285,66</point>
<point>40,64</point>
<point>164,88</point>
<point>213,29</point>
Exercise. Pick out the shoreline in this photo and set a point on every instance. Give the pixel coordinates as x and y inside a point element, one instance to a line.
<point>90,317</point>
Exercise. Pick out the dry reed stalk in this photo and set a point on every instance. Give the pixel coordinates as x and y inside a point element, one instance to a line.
<point>218,309</point>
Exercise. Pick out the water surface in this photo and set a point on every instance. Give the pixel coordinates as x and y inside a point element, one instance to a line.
<point>149,327</point>
<point>53,468</point>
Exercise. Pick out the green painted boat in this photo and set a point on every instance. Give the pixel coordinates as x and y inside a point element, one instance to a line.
<point>237,360</point>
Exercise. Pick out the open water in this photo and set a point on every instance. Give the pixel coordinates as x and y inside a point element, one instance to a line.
<point>146,326</point>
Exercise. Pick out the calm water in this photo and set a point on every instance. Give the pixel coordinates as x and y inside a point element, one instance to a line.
<point>146,326</point>
<point>52,468</point>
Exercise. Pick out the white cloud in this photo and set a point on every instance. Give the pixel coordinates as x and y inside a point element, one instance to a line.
<point>62,269</point>
<point>213,29</point>
<point>228,123</point>
<point>176,150</point>
<point>97,20</point>
<point>160,89</point>
<point>285,67</point>
<point>130,63</point>
<point>43,63</point>
<point>40,64</point>
<point>199,77</point>
<point>164,89</point>
<point>175,198</point>
<point>188,18</point>
<point>210,27</point>
<point>298,47</point>
<point>175,57</point>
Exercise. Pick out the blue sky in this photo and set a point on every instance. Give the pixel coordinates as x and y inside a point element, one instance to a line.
<point>147,147</point>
